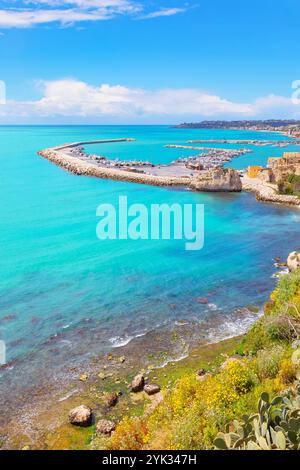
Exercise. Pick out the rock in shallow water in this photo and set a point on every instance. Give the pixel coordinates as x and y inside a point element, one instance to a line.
<point>81,416</point>
<point>104,426</point>
<point>151,389</point>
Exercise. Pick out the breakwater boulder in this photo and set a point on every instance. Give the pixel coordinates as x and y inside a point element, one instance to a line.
<point>219,179</point>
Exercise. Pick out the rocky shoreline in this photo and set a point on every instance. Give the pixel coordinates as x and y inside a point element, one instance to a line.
<point>267,192</point>
<point>42,420</point>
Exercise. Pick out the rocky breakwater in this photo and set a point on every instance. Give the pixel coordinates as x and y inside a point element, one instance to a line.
<point>80,167</point>
<point>219,179</point>
<point>216,179</point>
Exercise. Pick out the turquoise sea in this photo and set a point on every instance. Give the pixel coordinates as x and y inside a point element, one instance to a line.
<point>66,296</point>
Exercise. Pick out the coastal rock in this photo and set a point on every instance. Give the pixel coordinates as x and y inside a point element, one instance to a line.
<point>104,426</point>
<point>220,179</point>
<point>138,383</point>
<point>293,261</point>
<point>81,416</point>
<point>151,389</point>
<point>111,399</point>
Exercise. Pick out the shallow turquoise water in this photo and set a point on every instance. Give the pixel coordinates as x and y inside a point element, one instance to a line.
<point>65,294</point>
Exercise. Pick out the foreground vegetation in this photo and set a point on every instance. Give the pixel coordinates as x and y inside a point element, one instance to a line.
<point>290,185</point>
<point>251,401</point>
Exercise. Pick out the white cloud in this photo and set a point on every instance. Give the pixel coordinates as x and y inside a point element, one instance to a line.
<point>67,99</point>
<point>164,12</point>
<point>116,6</point>
<point>22,19</point>
<point>29,13</point>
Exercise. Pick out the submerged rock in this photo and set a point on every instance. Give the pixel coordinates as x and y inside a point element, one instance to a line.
<point>138,383</point>
<point>219,179</point>
<point>81,416</point>
<point>202,300</point>
<point>293,261</point>
<point>151,389</point>
<point>104,426</point>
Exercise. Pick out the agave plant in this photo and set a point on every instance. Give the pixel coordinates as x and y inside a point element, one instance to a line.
<point>276,425</point>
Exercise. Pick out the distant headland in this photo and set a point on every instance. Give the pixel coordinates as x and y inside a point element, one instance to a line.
<point>289,126</point>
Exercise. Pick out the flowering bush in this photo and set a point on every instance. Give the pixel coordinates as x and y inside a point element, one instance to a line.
<point>226,387</point>
<point>129,434</point>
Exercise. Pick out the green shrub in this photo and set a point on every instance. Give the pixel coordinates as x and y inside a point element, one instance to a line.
<point>268,361</point>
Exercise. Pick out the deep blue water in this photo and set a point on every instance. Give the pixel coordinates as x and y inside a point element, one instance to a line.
<point>57,278</point>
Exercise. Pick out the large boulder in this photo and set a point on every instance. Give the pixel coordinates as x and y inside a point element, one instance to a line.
<point>104,426</point>
<point>81,416</point>
<point>293,261</point>
<point>138,383</point>
<point>151,389</point>
<point>219,179</point>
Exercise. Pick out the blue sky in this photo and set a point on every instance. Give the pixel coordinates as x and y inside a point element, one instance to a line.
<point>115,61</point>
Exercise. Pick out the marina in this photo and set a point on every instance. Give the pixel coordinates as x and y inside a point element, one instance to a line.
<point>178,170</point>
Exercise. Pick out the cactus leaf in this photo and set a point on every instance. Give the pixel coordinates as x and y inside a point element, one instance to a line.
<point>220,443</point>
<point>253,446</point>
<point>293,437</point>
<point>276,401</point>
<point>238,443</point>
<point>263,443</point>
<point>264,428</point>
<point>280,440</point>
<point>294,424</point>
<point>234,437</point>
<point>265,397</point>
